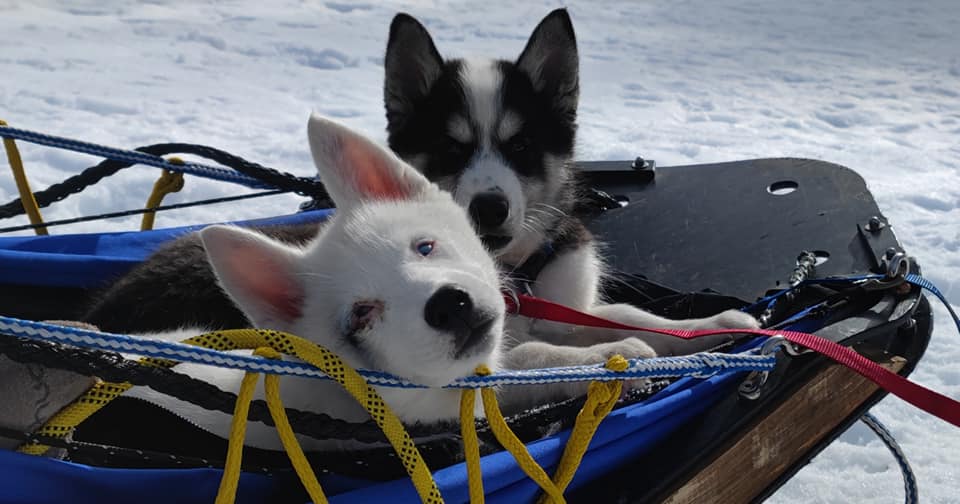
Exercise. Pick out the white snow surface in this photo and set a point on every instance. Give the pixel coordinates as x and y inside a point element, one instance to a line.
<point>872,86</point>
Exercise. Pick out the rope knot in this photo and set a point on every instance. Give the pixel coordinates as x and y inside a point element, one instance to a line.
<point>617,363</point>
<point>482,370</point>
<point>267,352</point>
<point>169,181</point>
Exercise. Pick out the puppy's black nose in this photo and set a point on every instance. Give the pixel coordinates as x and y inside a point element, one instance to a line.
<point>449,309</point>
<point>489,210</point>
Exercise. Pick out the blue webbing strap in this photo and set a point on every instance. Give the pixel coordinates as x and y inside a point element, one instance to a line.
<point>910,487</point>
<point>919,281</point>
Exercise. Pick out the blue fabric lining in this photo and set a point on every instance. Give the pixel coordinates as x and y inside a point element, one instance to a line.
<point>625,434</point>
<point>89,260</point>
<point>37,480</point>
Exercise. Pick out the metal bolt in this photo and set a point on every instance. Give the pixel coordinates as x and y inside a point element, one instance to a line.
<point>646,169</point>
<point>874,225</point>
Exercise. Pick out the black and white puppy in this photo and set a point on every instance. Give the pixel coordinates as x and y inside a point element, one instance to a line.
<point>499,135</point>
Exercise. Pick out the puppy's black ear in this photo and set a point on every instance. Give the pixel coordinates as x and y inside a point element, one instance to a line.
<point>550,60</point>
<point>412,65</point>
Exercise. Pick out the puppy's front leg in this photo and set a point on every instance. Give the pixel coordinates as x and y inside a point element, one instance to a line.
<point>573,279</point>
<point>662,343</point>
<point>537,354</point>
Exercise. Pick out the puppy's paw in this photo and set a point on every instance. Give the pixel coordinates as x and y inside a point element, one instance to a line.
<point>629,348</point>
<point>538,354</point>
<point>730,319</point>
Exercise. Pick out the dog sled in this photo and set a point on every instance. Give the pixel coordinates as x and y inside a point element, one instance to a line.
<point>798,243</point>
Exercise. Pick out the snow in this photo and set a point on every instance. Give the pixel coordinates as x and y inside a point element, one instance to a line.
<point>873,86</point>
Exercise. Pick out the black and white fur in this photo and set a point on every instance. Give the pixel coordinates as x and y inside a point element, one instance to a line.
<point>395,281</point>
<point>499,135</point>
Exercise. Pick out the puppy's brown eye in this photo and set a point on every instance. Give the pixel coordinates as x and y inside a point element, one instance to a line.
<point>455,147</point>
<point>518,144</point>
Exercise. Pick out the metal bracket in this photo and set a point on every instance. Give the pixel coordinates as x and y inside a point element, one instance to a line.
<point>752,385</point>
<point>896,266</point>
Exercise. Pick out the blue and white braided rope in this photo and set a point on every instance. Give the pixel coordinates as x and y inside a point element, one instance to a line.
<point>697,365</point>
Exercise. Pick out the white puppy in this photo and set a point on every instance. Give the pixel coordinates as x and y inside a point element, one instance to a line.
<point>396,281</point>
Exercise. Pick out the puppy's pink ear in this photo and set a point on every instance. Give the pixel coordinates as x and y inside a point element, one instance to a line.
<point>259,274</point>
<point>354,169</point>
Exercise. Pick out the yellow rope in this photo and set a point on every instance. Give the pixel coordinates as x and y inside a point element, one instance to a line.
<point>471,444</point>
<point>512,444</point>
<point>168,182</point>
<point>23,185</point>
<point>601,397</point>
<point>227,492</point>
<point>366,395</point>
<point>67,419</point>
<point>289,440</point>
<point>231,470</point>
<point>61,424</point>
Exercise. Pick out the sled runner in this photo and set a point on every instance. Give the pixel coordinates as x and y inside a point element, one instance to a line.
<point>800,244</point>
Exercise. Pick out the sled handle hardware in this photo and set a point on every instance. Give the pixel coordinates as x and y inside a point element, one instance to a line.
<point>875,224</point>
<point>806,266</point>
<point>752,385</point>
<point>898,265</point>
<point>897,268</point>
<point>646,169</point>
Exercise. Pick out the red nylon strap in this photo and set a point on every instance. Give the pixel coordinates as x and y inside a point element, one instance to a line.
<point>932,402</point>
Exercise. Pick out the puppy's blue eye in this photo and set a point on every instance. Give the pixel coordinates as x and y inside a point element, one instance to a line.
<point>424,248</point>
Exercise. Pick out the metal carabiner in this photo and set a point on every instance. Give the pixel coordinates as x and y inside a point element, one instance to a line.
<point>772,344</point>
<point>752,385</point>
<point>898,266</point>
